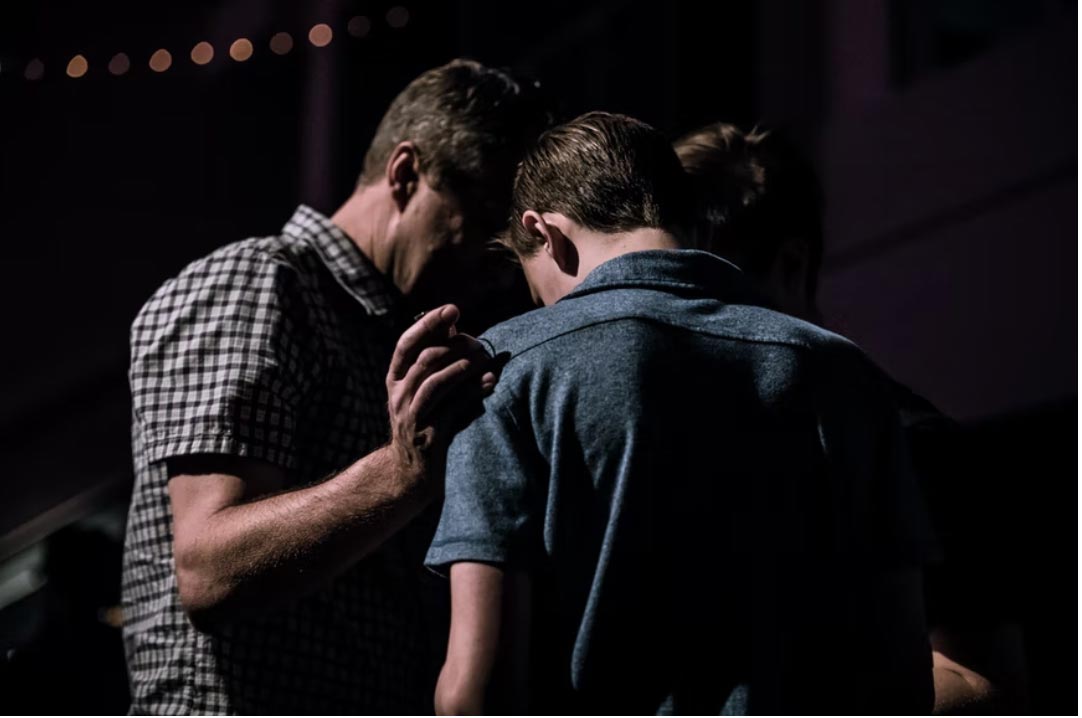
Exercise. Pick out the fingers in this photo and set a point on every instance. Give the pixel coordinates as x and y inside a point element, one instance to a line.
<point>459,404</point>
<point>433,328</point>
<point>466,373</point>
<point>438,385</point>
<point>435,376</point>
<point>436,358</point>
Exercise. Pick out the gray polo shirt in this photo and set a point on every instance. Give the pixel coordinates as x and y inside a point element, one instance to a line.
<point>711,497</point>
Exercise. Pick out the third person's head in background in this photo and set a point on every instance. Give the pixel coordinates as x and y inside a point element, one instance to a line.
<point>760,207</point>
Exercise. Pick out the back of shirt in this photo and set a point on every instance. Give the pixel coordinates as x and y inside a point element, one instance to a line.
<point>710,499</point>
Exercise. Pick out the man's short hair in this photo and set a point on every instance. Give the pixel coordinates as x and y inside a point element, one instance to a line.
<point>609,173</point>
<point>470,125</point>
<point>755,191</point>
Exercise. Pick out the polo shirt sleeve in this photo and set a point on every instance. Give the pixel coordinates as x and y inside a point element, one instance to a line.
<point>221,360</point>
<point>493,468</point>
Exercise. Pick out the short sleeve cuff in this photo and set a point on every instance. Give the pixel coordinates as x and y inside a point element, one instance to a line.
<point>442,554</point>
<point>166,447</point>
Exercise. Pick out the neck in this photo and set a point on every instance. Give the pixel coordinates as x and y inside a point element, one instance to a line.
<point>361,219</point>
<point>600,248</point>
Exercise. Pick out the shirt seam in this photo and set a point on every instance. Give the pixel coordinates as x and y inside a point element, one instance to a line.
<point>260,448</point>
<point>763,341</point>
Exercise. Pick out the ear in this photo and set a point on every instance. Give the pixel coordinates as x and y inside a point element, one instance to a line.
<point>556,244</point>
<point>536,227</point>
<point>403,173</point>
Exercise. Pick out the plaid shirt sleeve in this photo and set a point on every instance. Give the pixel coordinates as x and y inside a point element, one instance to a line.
<point>222,360</point>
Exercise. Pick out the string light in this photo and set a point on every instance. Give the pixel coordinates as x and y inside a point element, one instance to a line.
<point>35,70</point>
<point>281,43</point>
<point>321,35</point>
<point>202,53</point>
<point>119,64</point>
<point>241,49</point>
<point>359,26</point>
<point>398,17</point>
<point>161,60</point>
<point>77,66</point>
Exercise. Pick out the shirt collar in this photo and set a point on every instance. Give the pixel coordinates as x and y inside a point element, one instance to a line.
<point>347,263</point>
<point>672,269</point>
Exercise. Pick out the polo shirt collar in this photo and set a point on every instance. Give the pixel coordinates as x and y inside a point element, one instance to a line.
<point>346,262</point>
<point>687,270</point>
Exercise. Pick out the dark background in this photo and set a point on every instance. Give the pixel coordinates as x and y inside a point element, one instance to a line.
<point>945,133</point>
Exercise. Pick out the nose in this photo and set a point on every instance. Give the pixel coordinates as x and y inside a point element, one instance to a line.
<point>457,227</point>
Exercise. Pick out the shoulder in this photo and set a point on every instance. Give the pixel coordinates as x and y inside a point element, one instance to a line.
<point>249,258</point>
<point>829,356</point>
<point>560,335</point>
<point>518,333</point>
<point>570,320</point>
<point>756,324</point>
<point>627,335</point>
<point>258,287</point>
<point>740,323</point>
<point>260,270</point>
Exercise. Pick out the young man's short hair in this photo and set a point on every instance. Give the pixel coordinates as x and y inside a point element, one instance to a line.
<point>470,125</point>
<point>609,173</point>
<point>755,191</point>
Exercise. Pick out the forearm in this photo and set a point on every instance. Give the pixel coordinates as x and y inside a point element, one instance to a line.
<point>487,649</point>
<point>979,671</point>
<point>958,691</point>
<point>263,553</point>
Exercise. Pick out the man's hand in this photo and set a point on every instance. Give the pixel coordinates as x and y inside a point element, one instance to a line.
<point>979,669</point>
<point>436,376</point>
<point>242,545</point>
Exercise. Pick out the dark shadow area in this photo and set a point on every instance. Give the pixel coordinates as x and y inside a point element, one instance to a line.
<point>113,182</point>
<point>63,653</point>
<point>1030,562</point>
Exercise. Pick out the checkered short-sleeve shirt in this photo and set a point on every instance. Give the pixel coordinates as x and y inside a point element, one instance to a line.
<point>276,349</point>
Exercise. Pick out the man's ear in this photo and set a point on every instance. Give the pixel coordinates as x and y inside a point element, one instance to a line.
<point>403,173</point>
<point>556,244</point>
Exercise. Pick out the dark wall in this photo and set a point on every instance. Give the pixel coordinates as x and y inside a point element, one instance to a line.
<point>948,153</point>
<point>946,136</point>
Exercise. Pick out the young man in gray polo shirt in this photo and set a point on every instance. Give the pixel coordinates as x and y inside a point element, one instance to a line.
<point>676,501</point>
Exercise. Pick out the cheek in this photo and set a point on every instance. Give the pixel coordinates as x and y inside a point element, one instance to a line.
<point>429,226</point>
<point>428,219</point>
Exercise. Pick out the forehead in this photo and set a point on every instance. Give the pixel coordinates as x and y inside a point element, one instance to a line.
<point>483,207</point>
<point>449,211</point>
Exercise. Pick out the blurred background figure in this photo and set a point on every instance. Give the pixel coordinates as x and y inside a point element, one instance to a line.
<point>136,137</point>
<point>760,206</point>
